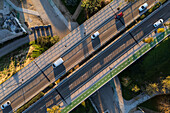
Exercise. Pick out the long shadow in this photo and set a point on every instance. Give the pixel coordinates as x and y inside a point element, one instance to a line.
<point>54,18</point>
<point>38,32</point>
<point>42,30</point>
<point>120,23</point>
<point>46,30</point>
<point>50,30</point>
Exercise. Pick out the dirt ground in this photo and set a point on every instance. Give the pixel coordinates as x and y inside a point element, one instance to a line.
<point>27,4</point>
<point>32,20</point>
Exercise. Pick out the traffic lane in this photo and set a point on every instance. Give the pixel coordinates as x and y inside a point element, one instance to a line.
<point>89,70</point>
<point>47,101</point>
<point>71,76</point>
<point>142,33</point>
<point>88,74</point>
<point>76,49</point>
<point>129,16</point>
<point>148,26</point>
<point>90,47</point>
<point>27,91</point>
<point>136,5</point>
<point>134,11</point>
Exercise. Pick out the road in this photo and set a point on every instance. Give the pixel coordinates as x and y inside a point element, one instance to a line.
<point>87,46</point>
<point>89,70</point>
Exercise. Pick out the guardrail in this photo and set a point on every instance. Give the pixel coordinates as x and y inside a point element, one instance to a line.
<point>119,68</point>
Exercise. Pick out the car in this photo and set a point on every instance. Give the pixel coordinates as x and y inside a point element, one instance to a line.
<point>119,15</point>
<point>6,104</point>
<point>159,22</point>
<point>143,7</point>
<point>96,34</point>
<point>58,62</point>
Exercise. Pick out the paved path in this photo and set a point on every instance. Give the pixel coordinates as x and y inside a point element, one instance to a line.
<point>124,105</point>
<point>22,9</point>
<point>77,12</point>
<point>49,16</point>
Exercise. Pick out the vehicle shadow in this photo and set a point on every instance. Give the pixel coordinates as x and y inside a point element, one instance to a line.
<point>96,43</point>
<point>120,23</point>
<point>59,71</point>
<point>7,109</point>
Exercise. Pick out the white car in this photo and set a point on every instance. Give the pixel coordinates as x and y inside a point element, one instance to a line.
<point>159,22</point>
<point>96,34</point>
<point>143,7</point>
<point>7,103</point>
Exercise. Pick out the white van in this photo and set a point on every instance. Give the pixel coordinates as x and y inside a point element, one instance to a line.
<point>58,62</point>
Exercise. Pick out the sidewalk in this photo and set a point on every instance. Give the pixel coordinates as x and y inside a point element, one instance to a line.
<point>22,9</point>
<point>49,16</point>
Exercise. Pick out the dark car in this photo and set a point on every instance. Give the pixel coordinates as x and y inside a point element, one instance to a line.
<point>119,15</point>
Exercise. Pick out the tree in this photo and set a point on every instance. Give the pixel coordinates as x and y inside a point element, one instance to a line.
<point>152,88</point>
<point>148,40</point>
<point>166,84</point>
<point>54,109</point>
<point>91,6</point>
<point>135,88</point>
<point>160,30</point>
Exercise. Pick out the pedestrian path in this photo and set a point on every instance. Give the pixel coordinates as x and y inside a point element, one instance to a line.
<point>22,9</point>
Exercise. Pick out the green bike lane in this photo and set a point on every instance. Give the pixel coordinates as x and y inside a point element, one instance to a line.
<point>140,52</point>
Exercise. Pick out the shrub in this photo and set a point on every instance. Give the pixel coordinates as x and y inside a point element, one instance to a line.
<point>148,40</point>
<point>156,6</point>
<point>29,103</point>
<point>142,17</point>
<point>160,30</point>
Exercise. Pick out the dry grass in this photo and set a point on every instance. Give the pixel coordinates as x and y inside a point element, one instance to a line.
<point>15,61</point>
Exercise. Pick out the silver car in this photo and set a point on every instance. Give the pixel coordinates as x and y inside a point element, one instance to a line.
<point>6,104</point>
<point>159,22</point>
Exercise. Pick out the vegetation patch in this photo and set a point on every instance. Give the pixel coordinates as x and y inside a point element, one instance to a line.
<point>19,58</point>
<point>159,103</point>
<point>84,107</point>
<point>29,103</point>
<point>150,73</point>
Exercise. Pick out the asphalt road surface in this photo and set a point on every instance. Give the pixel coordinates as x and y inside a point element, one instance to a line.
<point>76,55</point>
<point>89,70</point>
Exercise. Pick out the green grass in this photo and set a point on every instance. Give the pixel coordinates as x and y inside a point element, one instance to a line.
<point>148,69</point>
<point>157,103</point>
<point>88,108</point>
<point>70,8</point>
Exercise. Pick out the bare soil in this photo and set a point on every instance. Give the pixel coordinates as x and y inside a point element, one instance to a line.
<point>32,20</point>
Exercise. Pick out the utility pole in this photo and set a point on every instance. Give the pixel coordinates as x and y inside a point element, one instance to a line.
<point>50,82</point>
<point>42,71</point>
